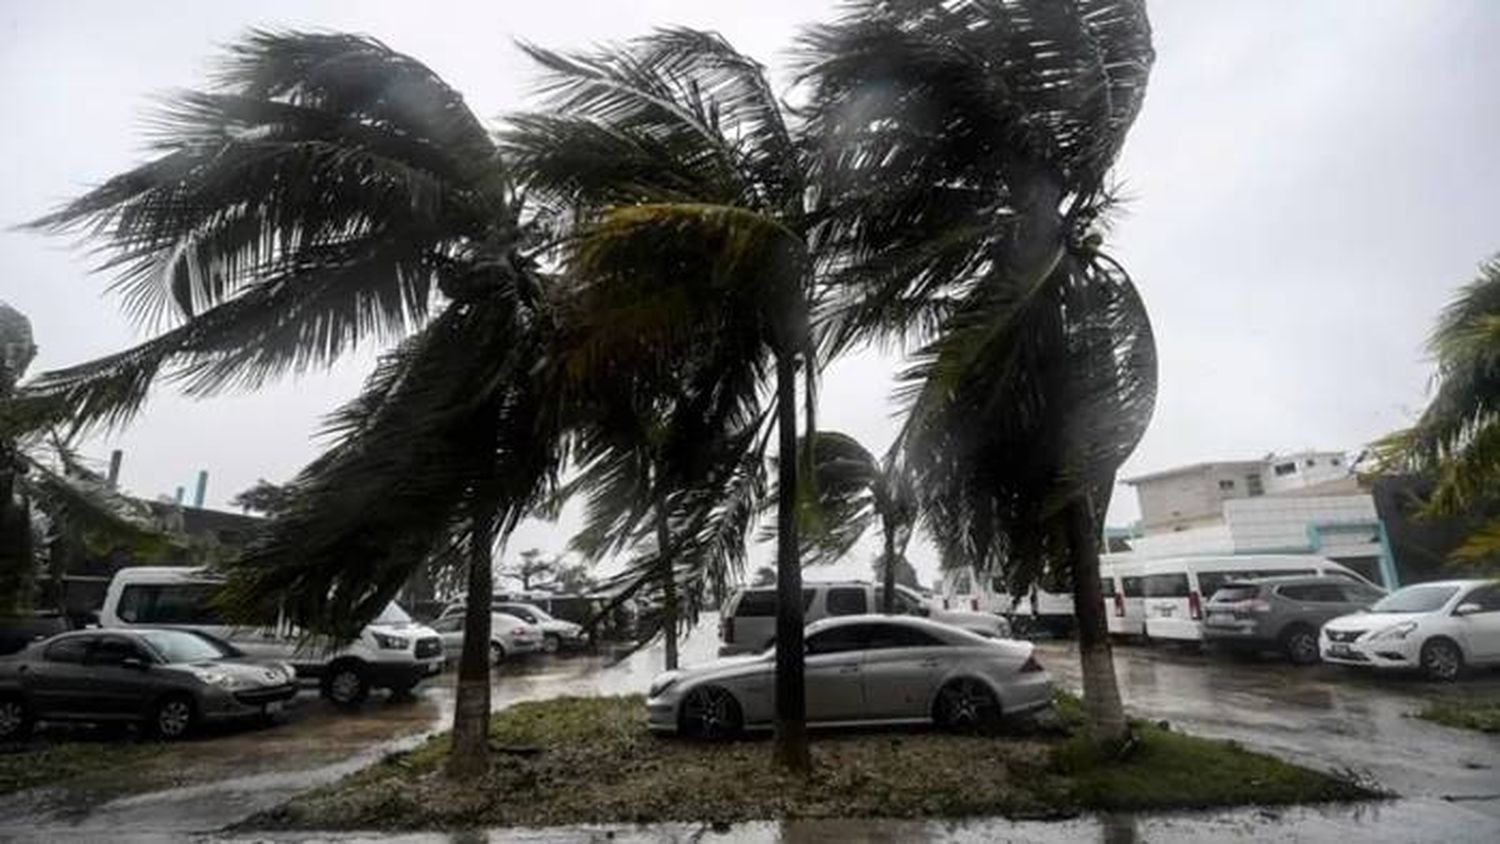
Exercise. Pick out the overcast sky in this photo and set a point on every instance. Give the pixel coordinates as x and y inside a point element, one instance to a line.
<point>1310,182</point>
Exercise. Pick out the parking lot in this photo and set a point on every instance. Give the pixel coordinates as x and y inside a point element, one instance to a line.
<point>1322,716</point>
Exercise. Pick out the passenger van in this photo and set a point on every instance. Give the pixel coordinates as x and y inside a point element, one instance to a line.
<point>392,652</point>
<point>1176,589</point>
<point>1124,598</point>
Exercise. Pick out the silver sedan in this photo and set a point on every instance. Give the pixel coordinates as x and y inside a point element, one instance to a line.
<point>862,669</point>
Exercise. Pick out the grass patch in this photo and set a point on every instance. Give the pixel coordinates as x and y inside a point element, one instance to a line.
<point>598,764</point>
<point>1481,715</point>
<point>36,764</point>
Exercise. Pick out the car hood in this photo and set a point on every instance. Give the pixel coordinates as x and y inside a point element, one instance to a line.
<point>246,670</point>
<point>1373,620</point>
<point>408,629</point>
<point>722,667</point>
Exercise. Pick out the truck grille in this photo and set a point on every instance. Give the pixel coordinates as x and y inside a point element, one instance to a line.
<point>429,647</point>
<point>1344,635</point>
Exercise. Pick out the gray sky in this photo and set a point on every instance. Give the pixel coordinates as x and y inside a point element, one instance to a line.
<point>1310,182</point>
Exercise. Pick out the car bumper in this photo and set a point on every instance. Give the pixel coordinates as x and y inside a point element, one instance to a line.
<point>1239,635</point>
<point>225,705</point>
<point>1380,653</point>
<point>661,715</point>
<point>1182,630</point>
<point>525,646</point>
<point>1027,693</point>
<point>387,675</point>
<point>1126,626</point>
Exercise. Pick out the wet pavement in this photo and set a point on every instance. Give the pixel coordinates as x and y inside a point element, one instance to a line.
<point>1449,780</point>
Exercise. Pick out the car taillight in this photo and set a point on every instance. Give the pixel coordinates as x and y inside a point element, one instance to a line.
<point>726,630</point>
<point>1031,665</point>
<point>974,603</point>
<point>1119,605</point>
<point>1258,606</point>
<point>520,631</point>
<point>1195,606</point>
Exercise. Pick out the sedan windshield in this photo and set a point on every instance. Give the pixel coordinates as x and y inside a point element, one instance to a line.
<point>392,614</point>
<point>182,646</point>
<point>1415,599</point>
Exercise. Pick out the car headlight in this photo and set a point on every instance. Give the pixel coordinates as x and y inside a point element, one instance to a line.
<point>394,643</point>
<point>1399,631</point>
<point>220,679</point>
<point>661,684</point>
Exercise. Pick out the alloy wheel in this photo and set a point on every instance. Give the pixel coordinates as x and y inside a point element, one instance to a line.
<point>1302,647</point>
<point>12,718</point>
<point>710,713</point>
<point>174,717</point>
<point>497,653</point>
<point>345,686</point>
<point>1441,660</point>
<point>551,644</point>
<point>966,704</point>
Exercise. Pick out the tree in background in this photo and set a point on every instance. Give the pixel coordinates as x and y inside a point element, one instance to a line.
<point>967,144</point>
<point>764,576</point>
<point>903,573</point>
<point>1457,438</point>
<point>532,570</point>
<point>575,579</point>
<point>264,497</point>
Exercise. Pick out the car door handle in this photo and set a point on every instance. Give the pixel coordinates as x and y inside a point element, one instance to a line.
<point>849,669</point>
<point>931,663</point>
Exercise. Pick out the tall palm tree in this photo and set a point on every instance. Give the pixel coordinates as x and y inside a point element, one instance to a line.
<point>670,165</point>
<point>1457,438</point>
<point>964,150</point>
<point>854,491</point>
<point>328,191</point>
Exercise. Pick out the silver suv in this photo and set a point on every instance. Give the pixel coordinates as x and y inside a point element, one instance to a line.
<point>747,622</point>
<point>1282,613</point>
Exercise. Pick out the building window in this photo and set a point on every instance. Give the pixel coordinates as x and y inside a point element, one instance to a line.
<point>1311,462</point>
<point>1333,461</point>
<point>1285,468</point>
<point>1226,485</point>
<point>1253,486</point>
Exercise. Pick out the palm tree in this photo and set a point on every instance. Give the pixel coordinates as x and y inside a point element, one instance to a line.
<point>853,491</point>
<point>327,192</point>
<point>965,146</point>
<point>1457,438</point>
<point>669,165</point>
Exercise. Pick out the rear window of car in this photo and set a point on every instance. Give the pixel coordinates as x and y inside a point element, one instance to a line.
<point>1107,586</point>
<point>762,603</point>
<point>1166,585</point>
<point>169,603</point>
<point>1132,587</point>
<point>848,600</point>
<point>1236,592</point>
<point>1328,593</point>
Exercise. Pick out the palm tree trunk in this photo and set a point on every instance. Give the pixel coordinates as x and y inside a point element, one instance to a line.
<point>791,749</point>
<point>469,754</point>
<point>1101,692</point>
<point>888,601</point>
<point>668,583</point>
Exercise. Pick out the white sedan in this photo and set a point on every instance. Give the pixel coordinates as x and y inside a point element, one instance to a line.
<point>861,669</point>
<point>509,636</point>
<point>1438,627</point>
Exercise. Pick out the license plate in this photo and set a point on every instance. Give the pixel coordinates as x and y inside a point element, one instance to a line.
<point>275,707</point>
<point>1339,649</point>
<point>1164,612</point>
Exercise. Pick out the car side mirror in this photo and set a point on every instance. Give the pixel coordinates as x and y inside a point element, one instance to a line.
<point>134,662</point>
<point>1468,609</point>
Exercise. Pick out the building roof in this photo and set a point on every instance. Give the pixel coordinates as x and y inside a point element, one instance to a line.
<point>1191,469</point>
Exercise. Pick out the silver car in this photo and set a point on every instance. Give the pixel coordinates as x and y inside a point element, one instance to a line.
<point>863,669</point>
<point>509,636</point>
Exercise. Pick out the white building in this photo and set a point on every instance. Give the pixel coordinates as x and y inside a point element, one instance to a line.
<point>1309,502</point>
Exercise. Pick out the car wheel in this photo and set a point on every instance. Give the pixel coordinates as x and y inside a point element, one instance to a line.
<point>1442,660</point>
<point>497,653</point>
<point>551,643</point>
<point>15,719</point>
<point>346,685</point>
<point>710,713</point>
<point>1301,646</point>
<point>966,704</point>
<point>173,717</point>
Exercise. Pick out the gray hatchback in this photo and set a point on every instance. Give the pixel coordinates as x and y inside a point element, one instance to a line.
<point>1282,613</point>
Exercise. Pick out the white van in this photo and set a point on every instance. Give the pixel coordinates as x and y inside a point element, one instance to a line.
<point>1177,588</point>
<point>392,652</point>
<point>1124,598</point>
